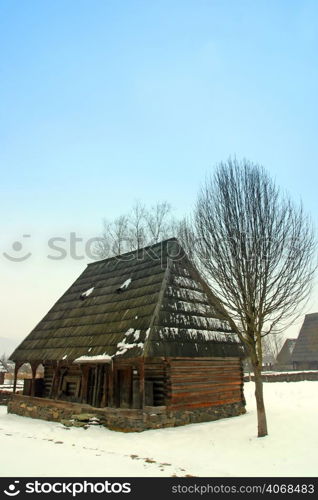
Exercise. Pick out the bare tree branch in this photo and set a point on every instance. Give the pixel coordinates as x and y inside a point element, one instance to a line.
<point>257,249</point>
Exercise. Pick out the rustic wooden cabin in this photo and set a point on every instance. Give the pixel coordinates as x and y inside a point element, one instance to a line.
<point>305,353</point>
<point>139,340</point>
<point>284,357</point>
<point>3,371</point>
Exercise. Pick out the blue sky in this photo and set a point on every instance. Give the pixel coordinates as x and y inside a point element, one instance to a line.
<point>106,102</point>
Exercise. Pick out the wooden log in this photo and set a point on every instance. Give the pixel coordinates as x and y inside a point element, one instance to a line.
<point>96,386</point>
<point>205,404</point>
<point>202,387</point>
<point>202,375</point>
<point>16,370</point>
<point>105,388</point>
<point>141,371</point>
<point>84,385</point>
<point>33,370</point>
<point>205,395</point>
<point>111,386</point>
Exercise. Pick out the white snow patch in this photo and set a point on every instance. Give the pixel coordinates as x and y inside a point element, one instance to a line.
<point>173,332</point>
<point>123,347</point>
<point>65,356</point>
<point>87,292</point>
<point>187,283</point>
<point>125,284</point>
<point>186,294</point>
<point>98,357</point>
<point>137,334</point>
<point>130,331</point>
<point>223,448</point>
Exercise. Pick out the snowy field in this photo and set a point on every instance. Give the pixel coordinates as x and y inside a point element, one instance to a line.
<point>226,447</point>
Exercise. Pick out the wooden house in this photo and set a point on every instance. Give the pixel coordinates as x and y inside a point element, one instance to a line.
<point>284,357</point>
<point>3,371</point>
<point>305,353</point>
<point>138,339</point>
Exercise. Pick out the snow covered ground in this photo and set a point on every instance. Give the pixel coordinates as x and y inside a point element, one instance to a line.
<point>226,447</point>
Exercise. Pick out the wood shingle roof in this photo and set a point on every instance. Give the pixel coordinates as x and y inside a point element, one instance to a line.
<point>284,357</point>
<point>150,302</point>
<point>306,348</point>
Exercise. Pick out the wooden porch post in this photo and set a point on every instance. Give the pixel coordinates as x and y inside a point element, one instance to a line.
<point>33,368</point>
<point>55,381</point>
<point>85,370</point>
<point>141,370</point>
<point>16,369</point>
<point>111,385</point>
<point>51,393</point>
<point>96,383</point>
<point>59,379</point>
<point>104,401</point>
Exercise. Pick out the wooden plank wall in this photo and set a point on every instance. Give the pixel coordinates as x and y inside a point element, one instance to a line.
<point>155,372</point>
<point>202,382</point>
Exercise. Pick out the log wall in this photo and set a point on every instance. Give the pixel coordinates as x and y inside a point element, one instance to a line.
<point>156,374</point>
<point>204,382</point>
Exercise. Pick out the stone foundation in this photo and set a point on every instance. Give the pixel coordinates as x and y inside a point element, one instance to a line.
<point>4,397</point>
<point>120,419</point>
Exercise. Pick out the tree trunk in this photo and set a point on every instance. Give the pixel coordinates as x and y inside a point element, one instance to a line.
<point>261,414</point>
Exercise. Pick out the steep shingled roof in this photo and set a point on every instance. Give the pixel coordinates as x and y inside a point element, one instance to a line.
<point>150,302</point>
<point>284,357</point>
<point>306,348</point>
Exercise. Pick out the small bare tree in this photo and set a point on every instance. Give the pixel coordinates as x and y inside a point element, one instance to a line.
<point>158,224</point>
<point>114,238</point>
<point>137,230</point>
<point>143,226</point>
<point>272,345</point>
<point>256,248</point>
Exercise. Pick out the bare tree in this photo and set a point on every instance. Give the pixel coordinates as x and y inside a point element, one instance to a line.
<point>157,221</point>
<point>187,237</point>
<point>272,345</point>
<point>114,238</point>
<point>143,226</point>
<point>257,249</point>
<point>137,230</point>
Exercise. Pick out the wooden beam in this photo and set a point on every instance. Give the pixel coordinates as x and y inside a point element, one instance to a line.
<point>34,367</point>
<point>59,381</point>
<point>84,386</point>
<point>141,371</point>
<point>104,400</point>
<point>52,388</point>
<point>111,386</point>
<point>16,369</point>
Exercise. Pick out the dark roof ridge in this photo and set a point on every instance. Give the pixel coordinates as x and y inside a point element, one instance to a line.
<point>119,256</point>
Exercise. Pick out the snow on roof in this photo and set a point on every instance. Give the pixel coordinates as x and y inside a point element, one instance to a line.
<point>145,289</point>
<point>124,285</point>
<point>130,331</point>
<point>123,347</point>
<point>192,333</point>
<point>87,293</point>
<point>88,359</point>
